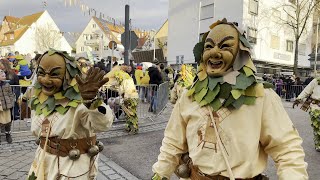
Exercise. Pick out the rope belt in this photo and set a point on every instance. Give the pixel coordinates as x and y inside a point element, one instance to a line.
<point>61,147</point>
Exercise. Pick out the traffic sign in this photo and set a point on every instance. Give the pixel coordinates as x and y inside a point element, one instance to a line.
<point>133,40</point>
<point>112,45</point>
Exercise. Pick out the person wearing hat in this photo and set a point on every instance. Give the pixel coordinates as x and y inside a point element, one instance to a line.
<point>23,67</point>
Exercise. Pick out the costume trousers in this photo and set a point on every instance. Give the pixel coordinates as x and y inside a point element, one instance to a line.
<point>315,123</point>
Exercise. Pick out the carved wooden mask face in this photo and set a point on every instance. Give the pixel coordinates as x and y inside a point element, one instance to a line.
<point>220,49</point>
<point>51,72</point>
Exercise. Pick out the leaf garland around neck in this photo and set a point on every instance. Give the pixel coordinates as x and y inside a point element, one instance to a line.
<point>217,93</point>
<point>60,102</point>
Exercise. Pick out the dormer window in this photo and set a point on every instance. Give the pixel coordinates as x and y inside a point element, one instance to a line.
<point>11,36</point>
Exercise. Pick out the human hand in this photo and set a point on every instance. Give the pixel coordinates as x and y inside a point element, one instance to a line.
<point>91,83</point>
<point>296,103</point>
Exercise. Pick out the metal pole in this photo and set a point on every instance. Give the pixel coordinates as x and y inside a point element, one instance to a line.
<point>112,50</point>
<point>126,35</point>
<point>154,47</point>
<point>199,20</point>
<point>316,52</point>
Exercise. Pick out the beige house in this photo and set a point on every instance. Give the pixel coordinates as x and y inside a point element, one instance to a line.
<point>35,32</point>
<point>95,38</point>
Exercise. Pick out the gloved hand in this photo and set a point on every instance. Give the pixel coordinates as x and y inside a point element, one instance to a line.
<point>91,83</point>
<point>296,103</point>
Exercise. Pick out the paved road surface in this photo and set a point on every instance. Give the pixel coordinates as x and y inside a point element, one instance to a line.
<point>137,153</point>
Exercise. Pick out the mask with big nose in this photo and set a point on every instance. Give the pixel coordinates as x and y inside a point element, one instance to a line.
<point>51,73</point>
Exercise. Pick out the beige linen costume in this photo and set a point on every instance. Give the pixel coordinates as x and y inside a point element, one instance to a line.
<point>249,134</point>
<point>312,89</point>
<point>176,93</point>
<point>77,123</point>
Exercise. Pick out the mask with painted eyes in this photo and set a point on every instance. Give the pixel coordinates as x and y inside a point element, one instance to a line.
<point>51,72</point>
<point>2,75</point>
<point>220,49</point>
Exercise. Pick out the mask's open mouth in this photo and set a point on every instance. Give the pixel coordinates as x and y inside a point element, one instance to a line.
<point>215,64</point>
<point>48,88</point>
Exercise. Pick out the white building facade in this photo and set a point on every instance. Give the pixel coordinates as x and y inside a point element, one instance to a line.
<point>34,33</point>
<point>273,44</point>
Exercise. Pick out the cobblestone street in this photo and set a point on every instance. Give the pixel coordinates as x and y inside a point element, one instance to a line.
<point>16,158</point>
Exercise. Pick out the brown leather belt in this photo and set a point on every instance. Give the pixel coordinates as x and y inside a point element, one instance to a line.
<point>61,147</point>
<point>196,174</point>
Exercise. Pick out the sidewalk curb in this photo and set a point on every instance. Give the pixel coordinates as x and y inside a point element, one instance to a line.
<point>120,171</point>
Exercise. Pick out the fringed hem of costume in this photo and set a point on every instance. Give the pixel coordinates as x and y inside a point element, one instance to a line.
<point>130,109</point>
<point>315,123</point>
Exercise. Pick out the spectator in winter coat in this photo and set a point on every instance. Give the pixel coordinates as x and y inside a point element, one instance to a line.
<point>13,80</point>
<point>155,78</point>
<point>6,103</point>
<point>155,75</point>
<point>308,80</point>
<point>23,67</point>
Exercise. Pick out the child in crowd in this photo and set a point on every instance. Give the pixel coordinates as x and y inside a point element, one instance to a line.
<point>6,103</point>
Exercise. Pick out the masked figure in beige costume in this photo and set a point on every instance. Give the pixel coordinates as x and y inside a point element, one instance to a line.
<point>121,82</point>
<point>66,115</point>
<point>227,124</point>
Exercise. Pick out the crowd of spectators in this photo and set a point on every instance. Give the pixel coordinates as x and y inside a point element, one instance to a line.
<point>287,87</point>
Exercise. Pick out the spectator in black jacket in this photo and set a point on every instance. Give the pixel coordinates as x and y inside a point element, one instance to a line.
<point>308,80</point>
<point>155,78</point>
<point>101,65</point>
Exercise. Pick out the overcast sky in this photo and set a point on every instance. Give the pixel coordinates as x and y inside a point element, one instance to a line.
<point>145,14</point>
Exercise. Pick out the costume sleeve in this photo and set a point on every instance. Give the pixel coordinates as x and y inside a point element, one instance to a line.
<point>174,144</point>
<point>308,90</point>
<point>173,94</point>
<point>281,140</point>
<point>94,119</point>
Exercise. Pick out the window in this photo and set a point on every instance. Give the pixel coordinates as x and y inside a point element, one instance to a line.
<point>11,36</point>
<point>276,14</point>
<point>96,48</point>
<point>105,47</point>
<point>94,25</point>
<point>252,35</point>
<point>275,42</point>
<point>82,48</point>
<point>289,46</point>
<point>253,7</point>
<point>302,49</point>
<point>293,1</point>
<point>207,12</point>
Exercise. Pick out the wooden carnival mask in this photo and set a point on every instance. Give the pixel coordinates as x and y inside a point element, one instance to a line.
<point>51,72</point>
<point>220,49</point>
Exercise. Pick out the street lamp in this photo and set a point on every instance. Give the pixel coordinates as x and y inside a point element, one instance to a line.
<point>316,52</point>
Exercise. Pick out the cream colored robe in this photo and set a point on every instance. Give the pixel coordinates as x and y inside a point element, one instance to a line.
<point>312,89</point>
<point>176,93</point>
<point>77,123</point>
<point>249,135</point>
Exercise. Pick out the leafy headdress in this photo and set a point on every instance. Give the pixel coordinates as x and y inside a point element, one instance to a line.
<point>68,97</point>
<point>237,87</point>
